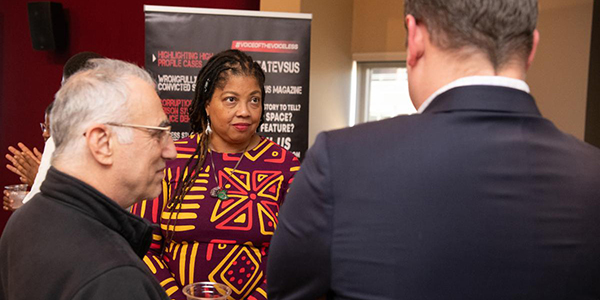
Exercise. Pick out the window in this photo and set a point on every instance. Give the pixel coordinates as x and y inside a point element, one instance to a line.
<point>381,91</point>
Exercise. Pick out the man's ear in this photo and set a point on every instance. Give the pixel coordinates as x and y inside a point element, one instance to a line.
<point>536,41</point>
<point>100,144</point>
<point>415,40</point>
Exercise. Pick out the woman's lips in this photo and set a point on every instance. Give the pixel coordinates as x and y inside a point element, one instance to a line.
<point>241,126</point>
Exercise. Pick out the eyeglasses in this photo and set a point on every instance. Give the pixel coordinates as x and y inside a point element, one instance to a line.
<point>160,133</point>
<point>44,127</point>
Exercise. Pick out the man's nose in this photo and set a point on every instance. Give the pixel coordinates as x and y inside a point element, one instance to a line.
<point>169,152</point>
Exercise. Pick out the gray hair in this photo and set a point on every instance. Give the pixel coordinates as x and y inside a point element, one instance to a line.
<point>96,95</point>
<point>501,29</point>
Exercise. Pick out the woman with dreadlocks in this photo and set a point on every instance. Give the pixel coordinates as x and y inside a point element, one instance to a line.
<point>222,194</point>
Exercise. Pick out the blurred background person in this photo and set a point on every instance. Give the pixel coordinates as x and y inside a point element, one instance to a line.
<point>25,162</point>
<point>221,196</point>
<point>31,166</point>
<point>75,239</point>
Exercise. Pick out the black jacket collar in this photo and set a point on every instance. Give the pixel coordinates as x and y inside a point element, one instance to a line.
<point>484,98</point>
<point>73,192</point>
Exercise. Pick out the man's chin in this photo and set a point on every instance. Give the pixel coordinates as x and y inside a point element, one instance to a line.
<point>151,195</point>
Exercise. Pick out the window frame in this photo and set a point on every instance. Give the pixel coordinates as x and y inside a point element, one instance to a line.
<point>363,78</point>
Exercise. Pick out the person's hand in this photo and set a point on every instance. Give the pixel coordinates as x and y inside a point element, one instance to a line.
<point>7,203</point>
<point>38,154</point>
<point>15,167</point>
<point>35,154</point>
<point>25,163</point>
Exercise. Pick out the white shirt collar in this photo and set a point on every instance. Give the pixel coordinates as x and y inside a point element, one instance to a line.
<point>477,80</point>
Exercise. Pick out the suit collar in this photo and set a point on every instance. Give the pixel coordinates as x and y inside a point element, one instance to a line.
<point>484,98</point>
<point>477,80</point>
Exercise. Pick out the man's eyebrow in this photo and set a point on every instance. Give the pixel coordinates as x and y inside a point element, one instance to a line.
<point>164,123</point>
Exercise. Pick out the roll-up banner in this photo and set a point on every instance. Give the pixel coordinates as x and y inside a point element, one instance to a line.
<point>180,40</point>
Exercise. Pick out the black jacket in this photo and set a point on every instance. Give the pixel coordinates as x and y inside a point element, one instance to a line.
<point>72,242</point>
<point>479,197</point>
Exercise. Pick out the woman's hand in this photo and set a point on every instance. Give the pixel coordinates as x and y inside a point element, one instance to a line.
<point>37,153</point>
<point>7,203</point>
<point>25,163</point>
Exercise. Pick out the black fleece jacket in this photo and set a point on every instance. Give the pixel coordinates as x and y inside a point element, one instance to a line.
<point>72,242</point>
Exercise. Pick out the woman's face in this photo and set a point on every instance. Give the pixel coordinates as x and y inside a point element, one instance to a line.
<point>234,113</point>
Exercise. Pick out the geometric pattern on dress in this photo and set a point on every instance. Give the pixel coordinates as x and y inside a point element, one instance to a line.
<point>246,220</point>
<point>266,220</point>
<point>243,188</point>
<point>239,269</point>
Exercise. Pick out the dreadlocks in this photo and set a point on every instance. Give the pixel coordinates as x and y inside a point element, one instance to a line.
<point>213,75</point>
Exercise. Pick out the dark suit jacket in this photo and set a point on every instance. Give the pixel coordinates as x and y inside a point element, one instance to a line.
<point>479,197</point>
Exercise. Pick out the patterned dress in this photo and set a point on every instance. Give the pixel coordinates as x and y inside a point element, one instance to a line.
<point>225,241</point>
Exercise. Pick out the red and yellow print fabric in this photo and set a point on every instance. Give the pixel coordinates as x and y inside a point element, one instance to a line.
<point>224,241</point>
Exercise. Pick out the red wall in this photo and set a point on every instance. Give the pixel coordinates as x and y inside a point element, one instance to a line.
<point>29,78</point>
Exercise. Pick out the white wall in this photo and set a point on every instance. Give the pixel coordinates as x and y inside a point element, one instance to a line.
<point>331,60</point>
<point>559,75</point>
<point>378,26</point>
<point>331,64</point>
<point>292,6</point>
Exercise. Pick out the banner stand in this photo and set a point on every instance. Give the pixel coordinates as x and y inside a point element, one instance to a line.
<point>179,41</point>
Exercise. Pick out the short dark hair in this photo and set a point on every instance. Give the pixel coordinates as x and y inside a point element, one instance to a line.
<point>78,62</point>
<point>502,29</point>
<point>49,108</point>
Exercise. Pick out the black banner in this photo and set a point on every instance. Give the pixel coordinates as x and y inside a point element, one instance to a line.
<point>180,40</point>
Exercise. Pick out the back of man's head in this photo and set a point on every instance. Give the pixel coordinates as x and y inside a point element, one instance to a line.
<point>96,95</point>
<point>78,62</point>
<point>501,29</point>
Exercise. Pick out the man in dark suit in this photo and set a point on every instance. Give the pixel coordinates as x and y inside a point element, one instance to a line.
<point>475,197</point>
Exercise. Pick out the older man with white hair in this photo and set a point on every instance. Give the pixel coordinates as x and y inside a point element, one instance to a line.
<point>77,240</point>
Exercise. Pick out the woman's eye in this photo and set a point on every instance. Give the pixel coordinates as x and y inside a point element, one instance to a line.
<point>255,100</point>
<point>230,99</point>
